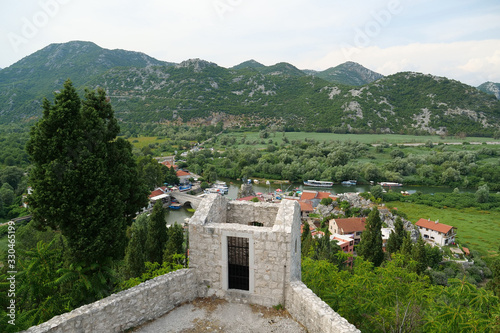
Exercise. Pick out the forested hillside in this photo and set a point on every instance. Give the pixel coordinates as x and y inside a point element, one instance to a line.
<point>145,90</point>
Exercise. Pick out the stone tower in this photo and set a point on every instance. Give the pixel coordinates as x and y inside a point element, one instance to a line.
<point>245,251</point>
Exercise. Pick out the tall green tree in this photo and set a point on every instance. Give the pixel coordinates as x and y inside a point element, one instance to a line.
<point>407,246</point>
<point>85,180</point>
<point>483,194</point>
<point>135,254</point>
<point>396,238</point>
<point>370,246</point>
<point>157,234</point>
<point>175,241</point>
<point>420,255</point>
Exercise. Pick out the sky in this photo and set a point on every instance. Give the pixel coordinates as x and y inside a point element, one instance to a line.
<point>459,39</point>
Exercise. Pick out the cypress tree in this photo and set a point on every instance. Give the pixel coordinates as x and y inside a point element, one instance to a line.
<point>135,254</point>
<point>370,246</point>
<point>157,233</point>
<point>407,246</point>
<point>396,238</point>
<point>419,254</point>
<point>174,243</point>
<point>84,179</point>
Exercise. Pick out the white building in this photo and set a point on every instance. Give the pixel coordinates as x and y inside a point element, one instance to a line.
<point>439,233</point>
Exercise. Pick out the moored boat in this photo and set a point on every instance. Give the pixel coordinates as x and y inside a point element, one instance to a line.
<point>175,206</point>
<point>390,184</point>
<point>349,182</point>
<point>318,183</point>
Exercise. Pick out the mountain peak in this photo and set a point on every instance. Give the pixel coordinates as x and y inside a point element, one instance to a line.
<point>249,64</point>
<point>491,88</point>
<point>350,73</point>
<point>197,64</point>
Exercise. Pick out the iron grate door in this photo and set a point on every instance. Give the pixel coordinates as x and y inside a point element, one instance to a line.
<point>238,267</point>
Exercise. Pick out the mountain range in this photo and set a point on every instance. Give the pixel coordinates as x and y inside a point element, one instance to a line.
<point>345,98</point>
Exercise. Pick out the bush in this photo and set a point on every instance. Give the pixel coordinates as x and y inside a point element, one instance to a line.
<point>326,201</point>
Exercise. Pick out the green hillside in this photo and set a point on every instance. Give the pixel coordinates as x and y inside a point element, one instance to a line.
<point>491,88</point>
<point>145,90</point>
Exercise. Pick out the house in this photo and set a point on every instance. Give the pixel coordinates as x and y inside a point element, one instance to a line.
<point>349,226</point>
<point>159,193</point>
<point>170,164</point>
<point>436,232</point>
<point>305,209</point>
<point>315,197</point>
<point>183,176</point>
<point>346,242</point>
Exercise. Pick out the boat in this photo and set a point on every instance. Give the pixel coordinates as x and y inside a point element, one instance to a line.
<point>390,184</point>
<point>184,188</point>
<point>318,183</point>
<point>256,181</point>
<point>349,182</point>
<point>175,206</point>
<point>221,186</point>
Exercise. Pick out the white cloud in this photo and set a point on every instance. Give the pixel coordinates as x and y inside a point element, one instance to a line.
<point>472,62</point>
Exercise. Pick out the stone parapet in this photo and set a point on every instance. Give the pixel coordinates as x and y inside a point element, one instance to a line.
<point>313,313</point>
<point>128,308</point>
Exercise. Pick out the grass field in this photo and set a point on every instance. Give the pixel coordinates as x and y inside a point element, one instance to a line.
<point>363,138</point>
<point>143,141</point>
<point>476,229</point>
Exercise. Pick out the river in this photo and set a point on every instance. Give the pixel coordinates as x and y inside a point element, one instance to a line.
<point>180,215</point>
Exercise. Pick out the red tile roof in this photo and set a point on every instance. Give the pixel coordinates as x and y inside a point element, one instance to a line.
<point>351,224</point>
<point>308,195</point>
<point>322,195</point>
<point>168,164</point>
<point>317,234</point>
<point>305,206</point>
<point>156,193</point>
<point>439,227</point>
<point>182,173</point>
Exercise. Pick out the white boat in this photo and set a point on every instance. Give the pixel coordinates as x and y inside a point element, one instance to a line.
<point>256,181</point>
<point>221,186</point>
<point>349,182</point>
<point>390,184</point>
<point>318,183</point>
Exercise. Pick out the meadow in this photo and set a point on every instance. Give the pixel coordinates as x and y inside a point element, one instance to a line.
<point>255,139</point>
<point>476,229</point>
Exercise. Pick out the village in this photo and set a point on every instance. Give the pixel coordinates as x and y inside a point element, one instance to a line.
<point>324,213</point>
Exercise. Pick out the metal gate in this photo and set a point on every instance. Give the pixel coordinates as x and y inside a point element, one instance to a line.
<point>238,272</point>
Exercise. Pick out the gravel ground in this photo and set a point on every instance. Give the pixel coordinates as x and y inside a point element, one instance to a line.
<point>215,315</point>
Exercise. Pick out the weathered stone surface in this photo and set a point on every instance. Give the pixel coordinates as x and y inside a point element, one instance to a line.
<point>128,308</point>
<point>313,313</point>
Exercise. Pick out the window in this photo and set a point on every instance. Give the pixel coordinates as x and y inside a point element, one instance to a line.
<point>238,263</point>
<point>256,224</point>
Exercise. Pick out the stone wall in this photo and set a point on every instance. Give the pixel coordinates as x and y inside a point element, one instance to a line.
<point>313,313</point>
<point>243,212</point>
<point>128,308</point>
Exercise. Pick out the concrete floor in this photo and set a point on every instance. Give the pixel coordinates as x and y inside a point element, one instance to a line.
<point>215,315</point>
